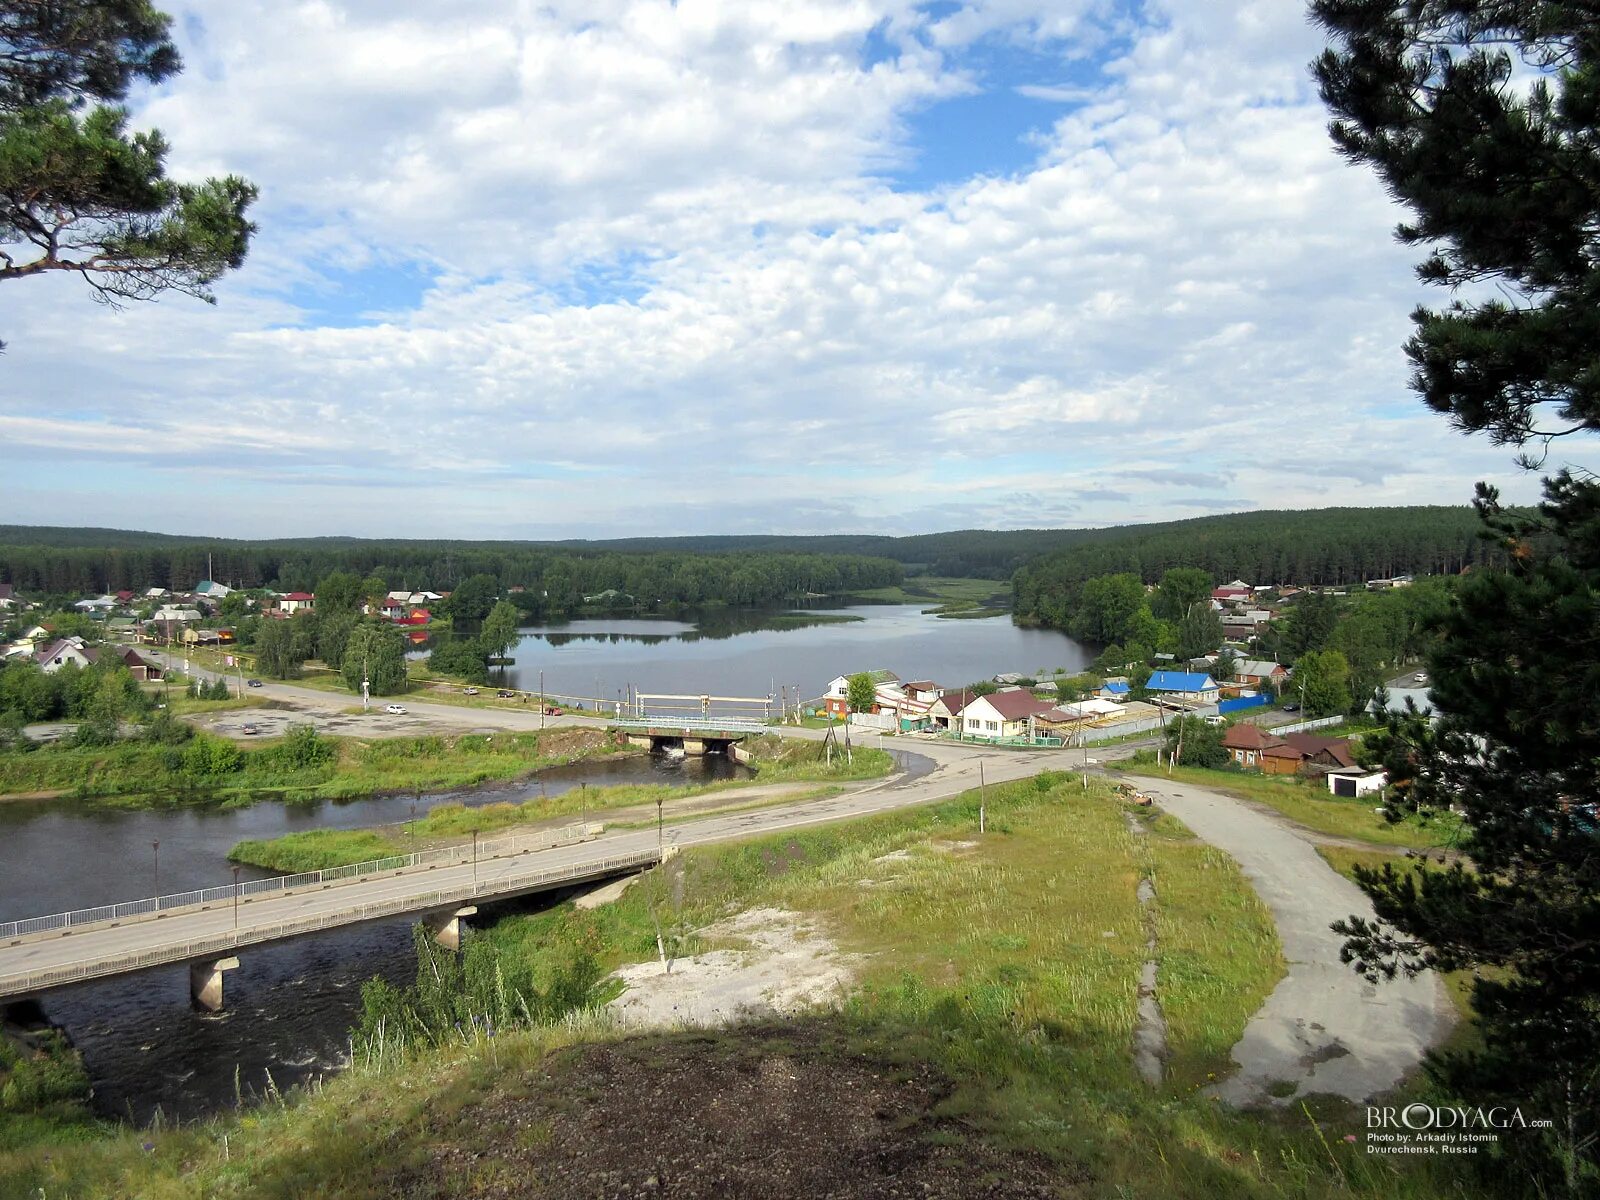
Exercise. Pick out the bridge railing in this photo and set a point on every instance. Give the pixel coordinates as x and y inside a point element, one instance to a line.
<point>194,948</point>
<point>161,906</point>
<point>693,724</point>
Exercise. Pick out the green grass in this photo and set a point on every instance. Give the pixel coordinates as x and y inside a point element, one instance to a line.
<point>777,761</point>
<point>950,594</point>
<point>986,958</point>
<point>135,774</point>
<point>1310,804</point>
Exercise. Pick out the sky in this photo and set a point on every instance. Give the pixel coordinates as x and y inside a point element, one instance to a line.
<point>592,268</point>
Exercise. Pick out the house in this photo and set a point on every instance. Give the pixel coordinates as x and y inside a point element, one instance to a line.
<point>1237,592</point>
<point>141,668</point>
<point>1006,714</point>
<point>836,700</point>
<point>206,589</point>
<point>923,691</point>
<point>1184,685</point>
<point>1066,719</point>
<point>123,629</point>
<point>1258,673</point>
<point>63,652</point>
<point>1114,690</point>
<point>1251,746</point>
<point>8,595</point>
<point>945,712</point>
<point>292,602</point>
<point>99,604</point>
<point>157,594</point>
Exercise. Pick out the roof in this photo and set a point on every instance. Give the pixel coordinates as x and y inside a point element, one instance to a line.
<point>1310,745</point>
<point>954,702</point>
<point>7,591</point>
<point>1013,706</point>
<point>1256,666</point>
<point>1180,681</point>
<point>1115,685</point>
<point>1245,736</point>
<point>923,685</point>
<point>299,596</point>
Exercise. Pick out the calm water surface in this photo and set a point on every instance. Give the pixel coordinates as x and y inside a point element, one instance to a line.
<point>734,655</point>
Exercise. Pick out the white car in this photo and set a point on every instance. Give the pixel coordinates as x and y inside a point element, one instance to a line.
<point>396,709</point>
<point>1420,677</point>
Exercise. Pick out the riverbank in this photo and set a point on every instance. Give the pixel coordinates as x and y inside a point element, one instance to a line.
<point>983,1043</point>
<point>301,766</point>
<point>775,762</point>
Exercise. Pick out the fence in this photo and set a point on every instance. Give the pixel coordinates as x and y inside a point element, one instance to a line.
<point>134,910</point>
<point>1302,726</point>
<point>33,981</point>
<point>668,724</point>
<point>1239,702</point>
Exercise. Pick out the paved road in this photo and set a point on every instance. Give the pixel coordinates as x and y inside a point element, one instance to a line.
<point>958,771</point>
<point>1323,1028</point>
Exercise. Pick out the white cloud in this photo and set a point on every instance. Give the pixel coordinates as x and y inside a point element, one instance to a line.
<point>1186,285</point>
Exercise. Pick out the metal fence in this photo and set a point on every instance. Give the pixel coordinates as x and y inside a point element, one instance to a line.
<point>33,981</point>
<point>154,906</point>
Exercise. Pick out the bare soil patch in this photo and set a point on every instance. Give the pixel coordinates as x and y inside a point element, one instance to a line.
<point>785,963</point>
<point>777,1112</point>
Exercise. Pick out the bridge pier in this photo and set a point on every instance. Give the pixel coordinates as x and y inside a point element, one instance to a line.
<point>205,982</point>
<point>694,747</point>
<point>446,926</point>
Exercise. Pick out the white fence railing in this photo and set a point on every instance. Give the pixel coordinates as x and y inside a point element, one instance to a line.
<point>1314,723</point>
<point>177,902</point>
<point>668,723</point>
<point>188,950</point>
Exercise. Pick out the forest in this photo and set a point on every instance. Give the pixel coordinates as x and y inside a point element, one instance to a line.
<point>1315,547</point>
<point>1311,546</point>
<point>553,580</point>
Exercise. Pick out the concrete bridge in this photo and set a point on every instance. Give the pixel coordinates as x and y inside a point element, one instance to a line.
<point>207,929</point>
<point>694,735</point>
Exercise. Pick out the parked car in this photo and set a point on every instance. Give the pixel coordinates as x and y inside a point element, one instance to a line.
<point>396,709</point>
<point>255,683</point>
<point>251,730</point>
<point>469,691</point>
<point>1291,708</point>
<point>504,694</point>
<point>1420,677</point>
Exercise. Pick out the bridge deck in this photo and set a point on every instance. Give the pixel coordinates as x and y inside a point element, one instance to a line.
<point>38,963</point>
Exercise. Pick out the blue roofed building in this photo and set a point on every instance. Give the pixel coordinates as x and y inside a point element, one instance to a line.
<point>1184,685</point>
<point>1114,689</point>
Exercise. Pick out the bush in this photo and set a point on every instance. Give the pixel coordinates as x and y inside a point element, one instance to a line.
<point>211,756</point>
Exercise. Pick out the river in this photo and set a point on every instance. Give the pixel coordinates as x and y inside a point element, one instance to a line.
<point>289,1006</point>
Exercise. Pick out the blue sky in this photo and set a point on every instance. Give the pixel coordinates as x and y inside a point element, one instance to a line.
<point>629,266</point>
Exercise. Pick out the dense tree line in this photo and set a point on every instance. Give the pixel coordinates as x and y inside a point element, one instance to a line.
<point>1318,547</point>
<point>552,580</point>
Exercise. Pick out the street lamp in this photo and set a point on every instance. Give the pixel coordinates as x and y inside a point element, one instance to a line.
<point>236,899</point>
<point>155,848</point>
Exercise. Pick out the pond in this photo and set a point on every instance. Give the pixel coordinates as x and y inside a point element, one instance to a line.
<point>757,654</point>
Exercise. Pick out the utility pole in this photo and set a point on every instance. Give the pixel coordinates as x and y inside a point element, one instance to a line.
<point>236,899</point>
<point>474,857</point>
<point>983,801</point>
<point>155,848</point>
<point>660,836</point>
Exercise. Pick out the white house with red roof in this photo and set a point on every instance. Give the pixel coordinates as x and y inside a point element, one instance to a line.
<point>1007,714</point>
